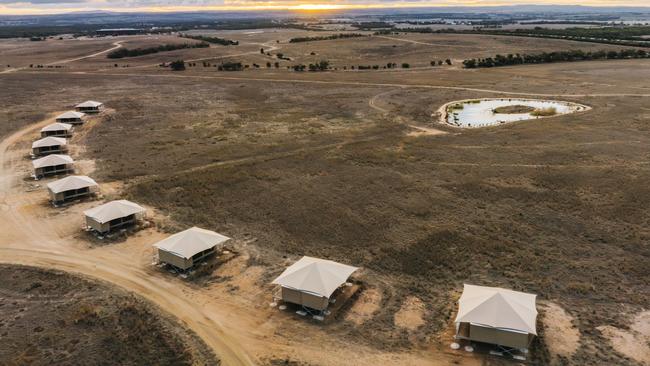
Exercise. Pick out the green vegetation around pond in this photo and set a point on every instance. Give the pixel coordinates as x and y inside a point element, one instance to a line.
<point>544,112</point>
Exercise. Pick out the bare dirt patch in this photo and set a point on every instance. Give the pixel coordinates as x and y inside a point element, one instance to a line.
<point>411,314</point>
<point>364,307</point>
<point>634,342</point>
<point>641,324</point>
<point>424,131</point>
<point>627,343</point>
<point>561,336</point>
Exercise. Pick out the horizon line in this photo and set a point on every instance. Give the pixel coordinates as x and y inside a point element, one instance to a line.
<point>302,8</point>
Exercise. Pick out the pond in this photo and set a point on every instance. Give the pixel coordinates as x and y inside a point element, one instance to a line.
<point>491,112</point>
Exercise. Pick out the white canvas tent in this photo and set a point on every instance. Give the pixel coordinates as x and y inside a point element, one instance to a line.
<point>113,215</point>
<point>71,117</point>
<point>89,106</point>
<point>49,145</point>
<point>57,129</point>
<point>311,281</point>
<point>497,316</point>
<point>52,164</point>
<point>184,249</point>
<point>71,187</point>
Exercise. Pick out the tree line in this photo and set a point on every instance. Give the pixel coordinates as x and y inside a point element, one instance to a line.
<point>325,38</point>
<point>134,52</point>
<point>215,40</point>
<point>622,36</point>
<point>550,57</point>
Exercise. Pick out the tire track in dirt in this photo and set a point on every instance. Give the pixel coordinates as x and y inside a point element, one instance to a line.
<point>424,43</point>
<point>116,45</point>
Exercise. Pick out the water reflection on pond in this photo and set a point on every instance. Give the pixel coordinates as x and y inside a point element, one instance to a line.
<point>490,112</point>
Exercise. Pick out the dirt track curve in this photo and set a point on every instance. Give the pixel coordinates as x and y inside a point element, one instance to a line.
<point>115,45</point>
<point>32,240</point>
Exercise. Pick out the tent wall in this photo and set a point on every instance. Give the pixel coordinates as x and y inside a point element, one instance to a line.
<point>101,228</point>
<point>90,109</point>
<point>57,133</point>
<point>72,194</point>
<point>46,150</point>
<point>182,263</point>
<point>72,121</point>
<point>53,170</point>
<point>303,298</point>
<point>174,260</point>
<point>494,336</point>
<point>114,224</point>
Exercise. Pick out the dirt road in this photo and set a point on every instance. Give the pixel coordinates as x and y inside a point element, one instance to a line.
<point>423,43</point>
<point>115,45</point>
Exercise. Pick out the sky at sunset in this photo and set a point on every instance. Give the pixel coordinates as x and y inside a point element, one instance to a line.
<point>56,6</point>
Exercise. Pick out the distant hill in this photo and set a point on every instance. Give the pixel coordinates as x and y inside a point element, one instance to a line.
<point>102,17</point>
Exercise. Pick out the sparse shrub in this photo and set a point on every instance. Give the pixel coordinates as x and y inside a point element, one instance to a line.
<point>178,65</point>
<point>231,66</point>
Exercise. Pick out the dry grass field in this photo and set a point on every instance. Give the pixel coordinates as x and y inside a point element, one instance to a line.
<point>353,167</point>
<point>101,323</point>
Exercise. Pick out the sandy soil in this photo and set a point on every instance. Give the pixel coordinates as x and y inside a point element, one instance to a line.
<point>364,307</point>
<point>411,314</point>
<point>425,131</point>
<point>560,334</point>
<point>633,342</point>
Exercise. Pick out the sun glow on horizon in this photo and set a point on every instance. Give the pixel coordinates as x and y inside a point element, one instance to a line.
<point>317,7</point>
<point>43,7</point>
